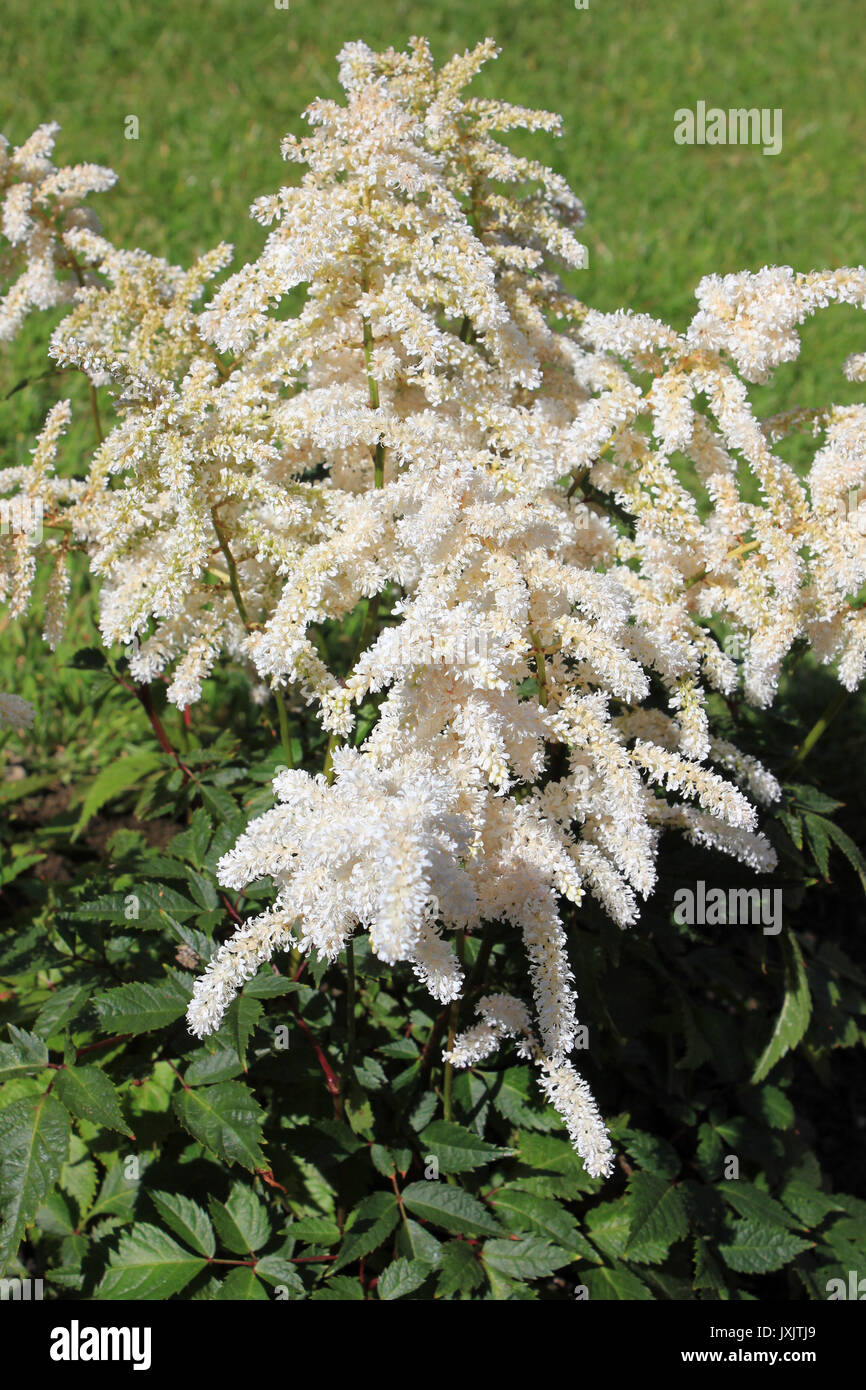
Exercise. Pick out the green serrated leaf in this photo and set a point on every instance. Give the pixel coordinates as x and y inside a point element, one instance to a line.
<point>242,1223</point>
<point>657,1217</point>
<point>529,1258</point>
<point>757,1248</point>
<point>242,1284</point>
<point>402,1277</point>
<point>277,1270</point>
<point>79,1180</point>
<point>424,1110</point>
<point>775,1107</point>
<point>142,1006</point>
<point>314,1230</point>
<point>376,1219</point>
<point>416,1242</point>
<point>117,1194</point>
<point>55,1216</point>
<point>24,1055</point>
<point>749,1201</point>
<point>226,1119</point>
<point>241,1021</point>
<point>13,868</point>
<point>359,1111</point>
<point>267,986</point>
<point>208,1066</point>
<point>15,791</point>
<point>34,1140</point>
<point>403,1049</point>
<point>186,1219</point>
<point>148,1264</point>
<point>203,890</point>
<point>451,1208</point>
<point>653,1154</point>
<point>89,1094</point>
<point>510,1097</point>
<point>118,777</point>
<point>542,1216</point>
<point>342,1289</point>
<point>808,1203</point>
<point>794,825</point>
<point>548,1154</point>
<point>813,799</point>
<point>614,1283</point>
<point>796,1011</point>
<point>61,1009</point>
<point>221,805</point>
<point>708,1272</point>
<point>460,1269</point>
<point>851,851</point>
<point>816,829</point>
<point>383,1161</point>
<point>192,843</point>
<point>457,1148</point>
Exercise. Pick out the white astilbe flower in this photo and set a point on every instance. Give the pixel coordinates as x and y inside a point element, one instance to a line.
<point>499,502</point>
<point>569,1094</point>
<point>40,211</point>
<point>376,848</point>
<point>503,1016</point>
<point>236,961</point>
<point>37,502</point>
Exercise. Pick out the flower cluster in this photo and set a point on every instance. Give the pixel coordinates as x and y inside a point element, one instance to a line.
<point>445,437</point>
<point>40,216</point>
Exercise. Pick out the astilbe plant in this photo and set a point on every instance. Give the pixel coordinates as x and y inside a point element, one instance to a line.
<point>444,437</point>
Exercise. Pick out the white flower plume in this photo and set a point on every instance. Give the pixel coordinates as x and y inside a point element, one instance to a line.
<point>444,437</point>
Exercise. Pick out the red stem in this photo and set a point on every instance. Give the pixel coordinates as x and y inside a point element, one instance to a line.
<point>233,913</point>
<point>331,1079</point>
<point>142,694</point>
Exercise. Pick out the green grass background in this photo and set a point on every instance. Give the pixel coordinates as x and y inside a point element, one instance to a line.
<point>216,83</point>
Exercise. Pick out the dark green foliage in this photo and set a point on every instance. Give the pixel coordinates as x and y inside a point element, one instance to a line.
<point>136,1162</point>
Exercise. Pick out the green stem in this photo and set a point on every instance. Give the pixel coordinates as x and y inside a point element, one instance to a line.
<point>328,768</point>
<point>373,388</point>
<point>372,384</point>
<point>483,958</point>
<point>232,569</point>
<point>577,479</point>
<point>350,1016</point>
<point>367,628</point>
<point>94,408</point>
<point>453,1023</point>
<point>540,668</point>
<point>818,728</point>
<point>379,466</point>
<point>285,735</point>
